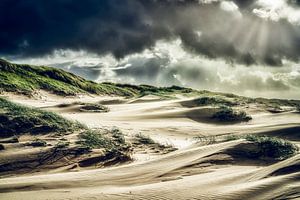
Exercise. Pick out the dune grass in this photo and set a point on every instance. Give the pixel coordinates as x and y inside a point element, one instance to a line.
<point>37,143</point>
<point>16,119</point>
<point>144,139</point>
<point>206,139</point>
<point>110,140</point>
<point>26,79</point>
<point>148,141</point>
<point>261,147</point>
<point>93,107</point>
<point>271,147</point>
<point>298,109</point>
<point>214,100</point>
<point>227,114</point>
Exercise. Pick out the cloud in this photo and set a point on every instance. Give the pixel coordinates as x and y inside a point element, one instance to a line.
<point>278,9</point>
<point>229,29</point>
<point>168,63</point>
<point>229,6</point>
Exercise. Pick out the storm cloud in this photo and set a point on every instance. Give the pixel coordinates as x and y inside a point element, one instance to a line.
<point>245,32</point>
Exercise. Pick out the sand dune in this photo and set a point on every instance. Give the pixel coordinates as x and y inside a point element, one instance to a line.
<point>195,171</point>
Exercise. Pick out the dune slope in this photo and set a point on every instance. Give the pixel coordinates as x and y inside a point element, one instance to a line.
<point>198,170</point>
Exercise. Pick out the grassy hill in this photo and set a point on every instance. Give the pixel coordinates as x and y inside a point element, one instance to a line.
<point>25,79</point>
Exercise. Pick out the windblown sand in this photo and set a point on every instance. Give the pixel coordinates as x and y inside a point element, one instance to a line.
<point>195,171</point>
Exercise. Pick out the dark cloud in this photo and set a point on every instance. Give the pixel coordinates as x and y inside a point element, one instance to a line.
<point>294,2</point>
<point>143,68</point>
<point>34,28</point>
<point>91,72</point>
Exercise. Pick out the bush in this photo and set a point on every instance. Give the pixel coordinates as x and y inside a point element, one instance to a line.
<point>271,147</point>
<point>227,114</point>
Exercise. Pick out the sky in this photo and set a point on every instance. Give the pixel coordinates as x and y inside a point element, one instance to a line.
<point>248,47</point>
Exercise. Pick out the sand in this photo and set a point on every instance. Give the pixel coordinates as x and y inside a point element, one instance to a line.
<point>194,171</point>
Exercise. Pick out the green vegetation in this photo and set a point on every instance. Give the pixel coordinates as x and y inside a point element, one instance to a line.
<point>167,92</point>
<point>110,140</point>
<point>37,143</point>
<point>141,139</point>
<point>271,147</point>
<point>93,139</point>
<point>298,108</point>
<point>206,139</point>
<point>62,145</point>
<point>118,135</point>
<point>16,119</point>
<point>144,139</point>
<point>231,137</point>
<point>274,103</point>
<point>227,114</point>
<point>275,109</point>
<point>93,107</point>
<point>214,100</point>
<point>26,79</point>
<point>260,147</point>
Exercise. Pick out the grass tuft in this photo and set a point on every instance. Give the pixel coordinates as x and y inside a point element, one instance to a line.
<point>214,100</point>
<point>37,143</point>
<point>227,114</point>
<point>271,147</point>
<point>144,139</point>
<point>206,139</point>
<point>16,119</point>
<point>93,107</point>
<point>110,140</point>
<point>62,145</point>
